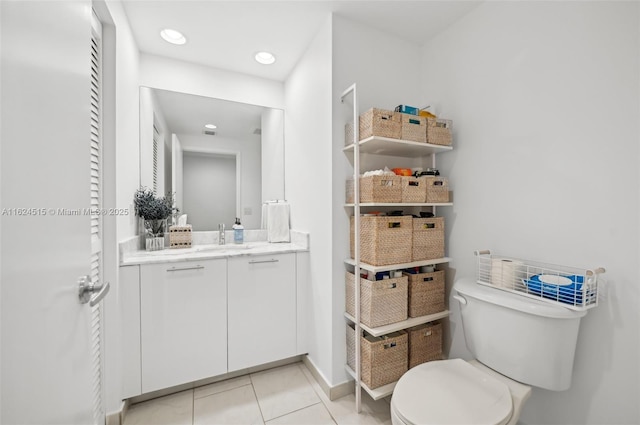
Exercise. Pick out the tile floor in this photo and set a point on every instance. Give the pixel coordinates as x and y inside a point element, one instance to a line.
<point>283,395</point>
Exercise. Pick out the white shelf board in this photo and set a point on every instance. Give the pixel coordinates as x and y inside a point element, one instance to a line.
<point>395,147</point>
<point>402,204</point>
<point>398,326</point>
<point>378,393</point>
<point>377,269</point>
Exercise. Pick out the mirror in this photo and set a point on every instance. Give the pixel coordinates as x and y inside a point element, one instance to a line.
<point>216,174</point>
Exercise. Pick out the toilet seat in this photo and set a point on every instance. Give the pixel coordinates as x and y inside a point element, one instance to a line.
<point>450,392</point>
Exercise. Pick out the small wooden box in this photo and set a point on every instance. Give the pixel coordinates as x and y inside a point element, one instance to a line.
<point>414,128</point>
<point>383,359</point>
<point>384,189</point>
<point>180,236</point>
<point>379,122</point>
<point>414,189</point>
<point>425,343</point>
<point>382,302</point>
<point>436,188</point>
<point>426,293</point>
<point>428,238</point>
<point>384,240</point>
<point>439,131</point>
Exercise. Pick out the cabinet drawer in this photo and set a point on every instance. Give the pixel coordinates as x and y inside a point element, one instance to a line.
<point>262,309</point>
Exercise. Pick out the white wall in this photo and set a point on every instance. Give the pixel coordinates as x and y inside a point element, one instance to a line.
<point>127,114</point>
<point>386,70</point>
<point>249,151</point>
<point>272,154</point>
<point>184,77</point>
<point>308,149</point>
<point>545,101</point>
<point>209,190</point>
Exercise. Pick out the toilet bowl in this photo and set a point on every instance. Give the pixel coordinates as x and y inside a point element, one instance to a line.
<point>456,392</point>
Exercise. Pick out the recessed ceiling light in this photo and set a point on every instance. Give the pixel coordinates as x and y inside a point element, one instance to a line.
<point>265,58</point>
<point>210,126</point>
<point>173,36</point>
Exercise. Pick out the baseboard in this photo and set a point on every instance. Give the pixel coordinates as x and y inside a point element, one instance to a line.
<point>191,385</point>
<point>332,392</point>
<point>117,418</point>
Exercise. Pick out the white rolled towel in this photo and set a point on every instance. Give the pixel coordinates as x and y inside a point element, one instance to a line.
<point>506,273</point>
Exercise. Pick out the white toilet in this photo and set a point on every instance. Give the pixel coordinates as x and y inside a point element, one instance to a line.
<point>517,341</point>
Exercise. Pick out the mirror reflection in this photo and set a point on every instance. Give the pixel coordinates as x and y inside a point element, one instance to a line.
<point>221,159</point>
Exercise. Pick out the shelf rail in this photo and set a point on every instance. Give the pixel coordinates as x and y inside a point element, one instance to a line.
<point>351,90</point>
<point>570,287</point>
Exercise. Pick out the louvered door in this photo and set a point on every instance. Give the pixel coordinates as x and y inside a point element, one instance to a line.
<point>96,217</point>
<point>156,148</point>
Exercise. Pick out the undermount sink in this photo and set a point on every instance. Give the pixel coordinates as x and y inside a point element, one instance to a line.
<point>229,247</point>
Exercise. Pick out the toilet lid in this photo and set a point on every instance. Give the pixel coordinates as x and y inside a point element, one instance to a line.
<point>451,392</point>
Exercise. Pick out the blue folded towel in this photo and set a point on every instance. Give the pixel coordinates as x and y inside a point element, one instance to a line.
<point>569,294</point>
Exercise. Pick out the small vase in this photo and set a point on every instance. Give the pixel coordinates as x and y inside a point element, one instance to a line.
<point>154,234</point>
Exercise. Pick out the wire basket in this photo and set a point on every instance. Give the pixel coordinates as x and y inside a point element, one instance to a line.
<point>570,287</point>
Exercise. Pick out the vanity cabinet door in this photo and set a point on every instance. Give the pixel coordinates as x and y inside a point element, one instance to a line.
<point>262,309</point>
<point>183,311</point>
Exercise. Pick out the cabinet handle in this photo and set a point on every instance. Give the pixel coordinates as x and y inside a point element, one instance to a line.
<point>173,269</point>
<point>273,260</point>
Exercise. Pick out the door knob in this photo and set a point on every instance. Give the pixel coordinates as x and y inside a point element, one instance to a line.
<point>86,289</point>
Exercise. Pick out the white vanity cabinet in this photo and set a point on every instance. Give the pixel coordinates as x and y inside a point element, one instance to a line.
<point>183,322</point>
<point>262,309</point>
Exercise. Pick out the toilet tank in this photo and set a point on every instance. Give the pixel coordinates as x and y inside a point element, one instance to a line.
<point>529,341</point>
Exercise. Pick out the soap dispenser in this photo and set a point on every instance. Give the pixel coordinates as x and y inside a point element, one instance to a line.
<point>238,232</point>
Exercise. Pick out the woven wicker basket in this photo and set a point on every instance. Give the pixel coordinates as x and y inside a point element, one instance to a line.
<point>380,122</point>
<point>382,302</point>
<point>428,238</point>
<point>436,188</point>
<point>387,188</point>
<point>425,343</point>
<point>383,360</point>
<point>413,189</point>
<point>439,131</point>
<point>180,236</point>
<point>383,240</point>
<point>426,293</point>
<point>414,128</point>
<point>348,134</point>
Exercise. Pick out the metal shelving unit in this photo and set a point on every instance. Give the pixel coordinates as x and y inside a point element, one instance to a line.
<point>393,147</point>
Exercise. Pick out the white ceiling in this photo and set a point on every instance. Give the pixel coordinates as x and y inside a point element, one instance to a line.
<point>187,114</point>
<point>227,34</point>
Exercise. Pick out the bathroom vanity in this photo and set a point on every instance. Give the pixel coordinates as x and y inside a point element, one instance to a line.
<point>202,312</point>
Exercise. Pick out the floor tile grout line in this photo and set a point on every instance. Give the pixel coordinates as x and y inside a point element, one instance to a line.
<point>329,411</point>
<point>297,410</point>
<point>257,401</point>
<point>193,406</point>
<point>301,366</point>
<point>222,392</point>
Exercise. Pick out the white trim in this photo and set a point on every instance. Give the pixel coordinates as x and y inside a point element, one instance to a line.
<point>332,392</point>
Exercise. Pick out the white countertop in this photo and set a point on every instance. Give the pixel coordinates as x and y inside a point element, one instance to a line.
<point>208,251</point>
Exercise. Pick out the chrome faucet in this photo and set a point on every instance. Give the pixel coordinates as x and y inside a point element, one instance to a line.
<point>221,234</point>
